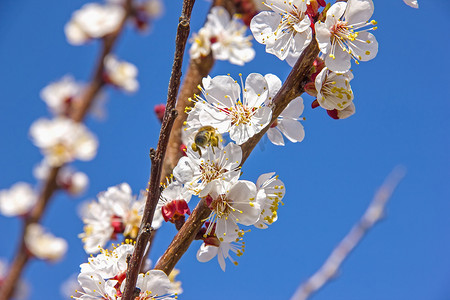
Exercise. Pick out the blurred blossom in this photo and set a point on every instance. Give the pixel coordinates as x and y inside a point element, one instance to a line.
<point>92,21</point>
<point>73,182</point>
<point>412,3</point>
<point>69,286</point>
<point>18,200</point>
<point>44,245</point>
<point>62,140</point>
<point>153,8</point>
<point>59,95</point>
<point>121,74</point>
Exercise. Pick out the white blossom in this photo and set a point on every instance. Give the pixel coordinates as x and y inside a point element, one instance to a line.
<point>287,122</point>
<point>345,34</point>
<point>227,111</point>
<point>201,44</point>
<point>103,277</point>
<point>334,90</point>
<point>230,42</point>
<point>121,74</point>
<point>62,140</point>
<point>270,191</point>
<point>173,191</point>
<point>59,95</point>
<point>221,250</point>
<point>44,245</point>
<point>197,172</point>
<point>286,30</point>
<point>412,3</point>
<point>154,285</point>
<point>108,264</point>
<point>17,200</point>
<point>231,203</point>
<point>92,21</point>
<point>224,37</point>
<point>116,212</point>
<point>96,287</point>
<point>153,8</point>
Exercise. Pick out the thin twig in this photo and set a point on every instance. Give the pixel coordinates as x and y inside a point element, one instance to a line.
<point>197,70</point>
<point>50,186</point>
<point>292,88</point>
<point>372,215</point>
<point>157,157</point>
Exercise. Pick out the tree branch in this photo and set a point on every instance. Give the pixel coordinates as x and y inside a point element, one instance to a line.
<point>372,215</point>
<point>50,185</point>
<point>157,158</point>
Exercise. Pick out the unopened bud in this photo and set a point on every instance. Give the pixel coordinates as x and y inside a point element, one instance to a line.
<point>159,111</point>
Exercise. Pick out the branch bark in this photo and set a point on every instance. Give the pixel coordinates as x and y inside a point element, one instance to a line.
<point>372,215</point>
<point>50,186</point>
<point>157,157</point>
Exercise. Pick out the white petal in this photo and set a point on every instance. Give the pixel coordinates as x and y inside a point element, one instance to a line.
<point>365,47</point>
<point>256,90</point>
<point>274,84</point>
<point>206,253</point>
<point>292,129</point>
<point>323,36</point>
<point>358,11</point>
<point>294,109</point>
<point>263,25</point>
<point>275,136</point>
<point>221,90</point>
<point>412,3</point>
<point>337,10</point>
<point>340,63</point>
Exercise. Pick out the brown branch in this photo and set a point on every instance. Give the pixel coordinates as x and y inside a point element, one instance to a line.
<point>292,88</point>
<point>372,215</point>
<point>157,157</point>
<point>197,70</point>
<point>184,238</point>
<point>50,185</point>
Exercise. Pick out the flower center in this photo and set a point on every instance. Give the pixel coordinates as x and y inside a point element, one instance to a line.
<point>241,114</point>
<point>210,171</point>
<point>222,206</point>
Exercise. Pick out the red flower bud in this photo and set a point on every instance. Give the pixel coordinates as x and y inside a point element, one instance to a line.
<point>174,210</point>
<point>159,111</point>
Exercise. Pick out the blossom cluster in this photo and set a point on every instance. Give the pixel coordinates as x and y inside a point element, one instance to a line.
<point>224,37</point>
<point>225,116</point>
<point>116,212</point>
<point>342,32</point>
<point>103,277</point>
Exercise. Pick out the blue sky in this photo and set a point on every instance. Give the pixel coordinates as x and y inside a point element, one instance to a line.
<point>402,102</point>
